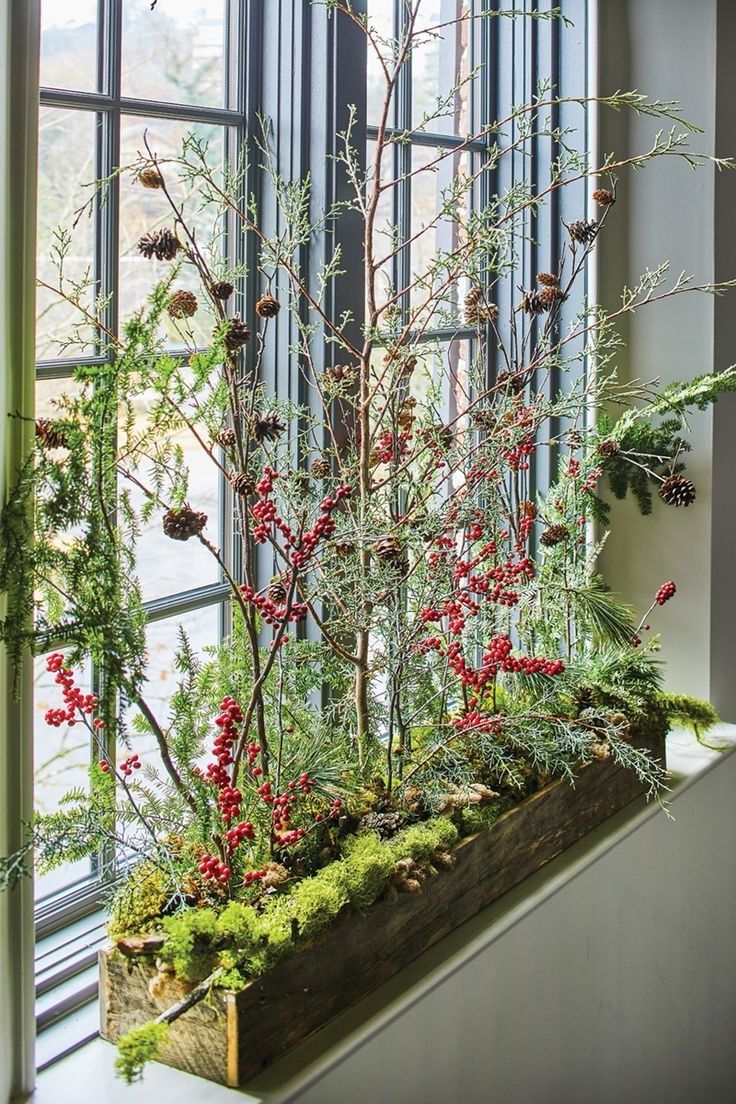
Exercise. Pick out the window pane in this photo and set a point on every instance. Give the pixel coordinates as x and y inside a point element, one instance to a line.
<point>143,210</point>
<point>167,566</point>
<point>202,628</point>
<point>175,53</point>
<point>439,63</point>
<point>441,183</point>
<point>62,757</point>
<point>69,44</point>
<point>381,21</point>
<point>66,163</point>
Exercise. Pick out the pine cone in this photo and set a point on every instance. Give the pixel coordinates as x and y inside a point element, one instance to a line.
<point>527,509</point>
<point>548,279</point>
<point>533,303</point>
<point>603,197</point>
<point>406,411</point>
<point>151,178</point>
<point>184,523</point>
<point>555,534</point>
<point>573,438</point>
<point>50,434</point>
<point>242,484</point>
<point>344,547</point>
<point>477,311</point>
<point>320,468</point>
<point>384,824</point>
<point>267,427</point>
<point>607,449</point>
<point>439,435</point>
<point>677,491</point>
<point>582,231</point>
<point>161,244</point>
<point>389,551</point>
<point>183,304</point>
<point>276,590</point>
<point>226,438</point>
<point>342,373</point>
<point>222,290</point>
<point>484,418</point>
<point>513,381</point>
<point>237,335</point>
<point>549,295</point>
<point>267,307</point>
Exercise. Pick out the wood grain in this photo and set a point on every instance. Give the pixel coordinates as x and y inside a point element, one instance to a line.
<point>241,1033</point>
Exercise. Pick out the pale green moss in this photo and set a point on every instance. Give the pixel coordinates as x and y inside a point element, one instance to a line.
<point>689,712</point>
<point>188,946</point>
<point>140,901</point>
<point>137,1048</point>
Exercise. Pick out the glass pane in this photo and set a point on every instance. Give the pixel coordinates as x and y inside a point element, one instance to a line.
<point>62,757</point>
<point>384,231</point>
<point>69,44</point>
<point>440,99</point>
<point>175,53</point>
<point>381,22</point>
<point>440,184</point>
<point>203,630</point>
<point>167,566</point>
<point>66,163</point>
<point>143,210</point>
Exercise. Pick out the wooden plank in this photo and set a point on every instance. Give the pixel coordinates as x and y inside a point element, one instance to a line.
<point>360,952</point>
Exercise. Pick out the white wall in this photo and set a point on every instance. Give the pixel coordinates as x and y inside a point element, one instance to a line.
<point>668,212</point>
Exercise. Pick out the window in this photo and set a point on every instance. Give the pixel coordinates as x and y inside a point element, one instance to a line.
<point>110,70</point>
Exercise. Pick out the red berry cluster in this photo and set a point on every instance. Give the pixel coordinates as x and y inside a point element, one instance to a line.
<point>272,613</point>
<point>212,868</point>
<point>267,516</point>
<point>323,527</point>
<point>473,721</point>
<point>392,446</point>
<point>517,458</point>
<point>589,483</point>
<point>229,797</point>
<point>73,697</point>
<point>132,763</point>
<point>239,832</point>
<point>665,592</point>
<point>498,658</point>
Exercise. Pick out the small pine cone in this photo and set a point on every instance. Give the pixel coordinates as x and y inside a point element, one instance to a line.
<point>301,485</point>
<point>267,427</point>
<point>184,523</point>
<point>344,547</point>
<point>151,178</point>
<point>320,468</point>
<point>275,875</point>
<point>406,411</point>
<point>161,244</point>
<point>50,434</point>
<point>574,439</point>
<point>183,304</point>
<point>550,295</point>
<point>440,436</point>
<point>389,551</point>
<point>237,335</point>
<point>582,231</point>
<point>267,307</point>
<point>600,749</point>
<point>555,534</point>
<point>226,438</point>
<point>548,279</point>
<point>533,304</point>
<point>477,310</point>
<point>483,419</point>
<point>222,290</point>
<point>527,509</point>
<point>276,590</point>
<point>384,824</point>
<point>242,484</point>
<point>677,491</point>
<point>603,197</point>
<point>607,449</point>
<point>513,381</point>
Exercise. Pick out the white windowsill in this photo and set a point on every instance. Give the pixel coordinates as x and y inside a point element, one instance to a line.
<point>92,1065</point>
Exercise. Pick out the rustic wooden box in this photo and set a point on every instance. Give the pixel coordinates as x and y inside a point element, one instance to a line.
<point>232,1036</point>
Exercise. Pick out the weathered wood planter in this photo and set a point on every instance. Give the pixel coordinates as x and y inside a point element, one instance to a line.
<point>232,1036</point>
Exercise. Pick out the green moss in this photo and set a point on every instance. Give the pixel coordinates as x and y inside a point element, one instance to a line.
<point>689,712</point>
<point>366,870</point>
<point>189,943</point>
<point>139,902</point>
<point>424,840</point>
<point>479,818</point>
<point>139,1046</point>
<point>316,901</point>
